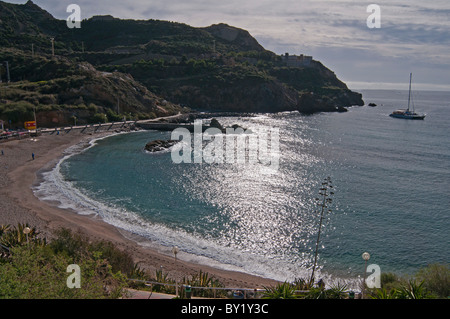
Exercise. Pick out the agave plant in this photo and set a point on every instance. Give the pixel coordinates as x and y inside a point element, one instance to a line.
<point>316,293</point>
<point>280,291</point>
<point>18,236</point>
<point>385,294</point>
<point>301,284</point>
<point>161,276</point>
<point>203,279</point>
<point>412,290</point>
<point>4,251</point>
<point>4,229</point>
<point>337,291</point>
<point>137,272</point>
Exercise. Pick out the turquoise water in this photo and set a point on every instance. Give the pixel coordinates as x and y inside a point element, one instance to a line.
<point>391,181</point>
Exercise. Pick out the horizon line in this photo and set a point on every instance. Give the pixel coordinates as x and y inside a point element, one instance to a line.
<point>361,85</point>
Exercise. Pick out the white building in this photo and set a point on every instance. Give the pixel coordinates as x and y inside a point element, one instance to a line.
<point>296,60</point>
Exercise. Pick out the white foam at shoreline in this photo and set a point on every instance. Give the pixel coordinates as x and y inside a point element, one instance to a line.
<point>56,189</point>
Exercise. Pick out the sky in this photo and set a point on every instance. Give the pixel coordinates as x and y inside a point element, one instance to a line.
<point>413,36</point>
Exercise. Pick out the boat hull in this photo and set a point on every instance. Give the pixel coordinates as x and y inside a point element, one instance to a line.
<point>408,116</point>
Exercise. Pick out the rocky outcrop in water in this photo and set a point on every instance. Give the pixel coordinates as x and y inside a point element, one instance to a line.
<point>159,145</point>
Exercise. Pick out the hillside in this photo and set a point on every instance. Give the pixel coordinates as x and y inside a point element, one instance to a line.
<point>64,92</point>
<point>145,68</point>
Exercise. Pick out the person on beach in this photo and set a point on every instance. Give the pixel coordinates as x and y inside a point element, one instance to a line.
<point>32,155</point>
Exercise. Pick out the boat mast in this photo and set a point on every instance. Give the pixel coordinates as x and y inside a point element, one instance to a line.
<point>409,96</point>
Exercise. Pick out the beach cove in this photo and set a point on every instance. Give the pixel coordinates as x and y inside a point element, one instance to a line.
<point>19,172</point>
<point>232,217</point>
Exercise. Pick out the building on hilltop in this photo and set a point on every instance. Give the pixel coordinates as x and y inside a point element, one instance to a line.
<point>107,17</point>
<point>296,60</point>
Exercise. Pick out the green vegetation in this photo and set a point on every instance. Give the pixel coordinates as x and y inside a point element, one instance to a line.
<point>33,268</point>
<point>161,282</point>
<point>430,282</point>
<point>300,289</point>
<point>281,291</point>
<point>149,68</point>
<point>70,91</point>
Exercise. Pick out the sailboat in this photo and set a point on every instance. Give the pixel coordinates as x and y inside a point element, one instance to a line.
<point>408,114</point>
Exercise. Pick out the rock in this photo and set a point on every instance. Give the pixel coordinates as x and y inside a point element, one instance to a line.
<point>159,145</point>
<point>239,129</point>
<point>215,123</point>
<point>372,104</point>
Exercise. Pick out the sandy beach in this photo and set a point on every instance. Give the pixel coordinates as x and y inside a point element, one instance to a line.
<point>18,204</point>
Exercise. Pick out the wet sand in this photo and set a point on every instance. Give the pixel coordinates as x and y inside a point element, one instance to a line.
<point>18,204</point>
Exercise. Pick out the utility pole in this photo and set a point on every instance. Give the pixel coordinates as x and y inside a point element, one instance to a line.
<point>82,46</point>
<point>32,50</point>
<point>8,79</point>
<point>325,200</point>
<point>35,122</point>
<point>53,46</point>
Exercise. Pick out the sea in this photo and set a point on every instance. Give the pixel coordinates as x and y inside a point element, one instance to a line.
<point>390,181</point>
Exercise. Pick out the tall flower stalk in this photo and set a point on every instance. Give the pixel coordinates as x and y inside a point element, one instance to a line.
<point>325,192</point>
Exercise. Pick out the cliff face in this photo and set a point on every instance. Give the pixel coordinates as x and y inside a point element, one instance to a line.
<point>265,97</point>
<point>239,37</point>
<point>155,67</point>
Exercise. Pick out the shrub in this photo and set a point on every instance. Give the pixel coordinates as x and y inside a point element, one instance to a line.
<point>412,290</point>
<point>113,116</point>
<point>390,281</point>
<point>436,278</point>
<point>18,111</point>
<point>92,107</point>
<point>98,118</point>
<point>284,290</point>
<point>36,272</point>
<point>118,259</point>
<point>15,236</point>
<point>205,280</point>
<point>430,282</point>
<point>77,246</point>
